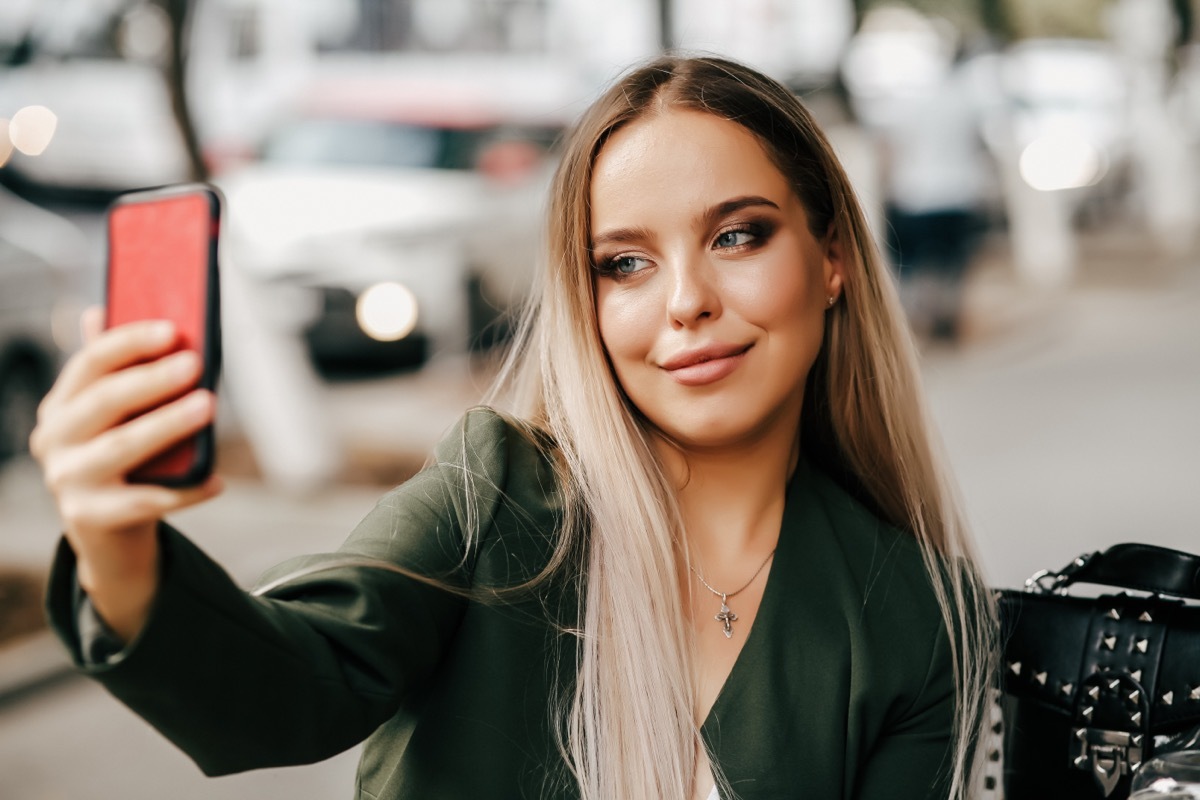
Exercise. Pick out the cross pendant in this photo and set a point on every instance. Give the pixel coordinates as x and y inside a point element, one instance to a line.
<point>726,618</point>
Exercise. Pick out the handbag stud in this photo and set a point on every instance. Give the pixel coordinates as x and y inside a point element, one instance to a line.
<point>1142,645</point>
<point>1110,643</point>
<point>1195,693</point>
<point>1041,678</point>
<point>1136,675</point>
<point>1145,617</point>
<point>1015,666</point>
<point>1114,614</point>
<point>1168,698</point>
<point>1094,692</point>
<point>1135,696</point>
<point>1067,688</point>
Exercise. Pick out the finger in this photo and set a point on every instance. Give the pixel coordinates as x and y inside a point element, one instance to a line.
<point>91,322</point>
<point>111,350</point>
<point>122,507</point>
<point>121,395</point>
<point>117,451</point>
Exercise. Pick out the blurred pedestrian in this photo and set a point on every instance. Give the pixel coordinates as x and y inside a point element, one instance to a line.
<point>710,552</point>
<point>937,176</point>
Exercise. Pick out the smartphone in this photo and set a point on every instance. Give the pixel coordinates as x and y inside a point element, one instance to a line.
<point>162,264</point>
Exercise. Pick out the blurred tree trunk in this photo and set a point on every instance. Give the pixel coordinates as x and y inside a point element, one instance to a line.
<point>1185,12</point>
<point>175,68</point>
<point>995,17</point>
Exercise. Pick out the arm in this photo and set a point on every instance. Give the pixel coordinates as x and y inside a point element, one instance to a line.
<point>320,659</point>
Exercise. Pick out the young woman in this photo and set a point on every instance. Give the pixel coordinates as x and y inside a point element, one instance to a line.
<point>710,551</point>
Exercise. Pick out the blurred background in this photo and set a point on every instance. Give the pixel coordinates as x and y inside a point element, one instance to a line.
<point>1029,169</point>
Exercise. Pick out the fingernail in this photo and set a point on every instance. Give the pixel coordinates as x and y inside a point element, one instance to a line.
<point>184,363</point>
<point>196,403</point>
<point>162,331</point>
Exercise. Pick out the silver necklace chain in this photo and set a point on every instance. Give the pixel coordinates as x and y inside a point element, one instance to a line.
<point>726,616</point>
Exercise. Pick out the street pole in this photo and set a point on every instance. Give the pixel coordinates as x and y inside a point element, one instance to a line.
<point>665,39</point>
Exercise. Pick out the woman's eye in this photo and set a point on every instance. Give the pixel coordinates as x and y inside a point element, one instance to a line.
<point>626,265</point>
<point>735,238</point>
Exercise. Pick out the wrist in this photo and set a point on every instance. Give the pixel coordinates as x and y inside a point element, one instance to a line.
<point>122,582</point>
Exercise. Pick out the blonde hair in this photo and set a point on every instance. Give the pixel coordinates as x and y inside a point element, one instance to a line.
<point>629,730</point>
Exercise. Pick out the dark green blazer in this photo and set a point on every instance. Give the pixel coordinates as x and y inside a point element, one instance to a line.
<point>844,688</point>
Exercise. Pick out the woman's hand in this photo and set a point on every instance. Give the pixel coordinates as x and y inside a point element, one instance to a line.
<point>89,437</point>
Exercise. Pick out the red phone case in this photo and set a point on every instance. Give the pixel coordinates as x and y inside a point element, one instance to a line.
<point>162,264</point>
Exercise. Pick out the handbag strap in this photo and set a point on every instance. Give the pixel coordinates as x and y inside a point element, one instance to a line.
<point>1142,567</point>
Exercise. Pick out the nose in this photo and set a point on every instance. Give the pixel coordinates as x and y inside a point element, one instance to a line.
<point>693,293</point>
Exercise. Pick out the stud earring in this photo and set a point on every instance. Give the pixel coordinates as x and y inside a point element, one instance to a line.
<point>831,300</point>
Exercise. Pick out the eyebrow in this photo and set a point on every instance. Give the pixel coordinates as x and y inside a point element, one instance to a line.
<point>707,219</point>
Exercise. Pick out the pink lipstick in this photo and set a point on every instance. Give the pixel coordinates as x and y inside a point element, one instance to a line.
<point>705,365</point>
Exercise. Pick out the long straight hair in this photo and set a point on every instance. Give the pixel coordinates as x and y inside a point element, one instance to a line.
<point>629,728</point>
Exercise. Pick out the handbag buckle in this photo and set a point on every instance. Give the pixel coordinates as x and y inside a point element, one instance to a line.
<point>1108,755</point>
<point>1047,581</point>
<point>1044,581</point>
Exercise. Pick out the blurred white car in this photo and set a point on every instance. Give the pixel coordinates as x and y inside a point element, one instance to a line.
<point>41,257</point>
<point>92,73</point>
<point>108,127</point>
<point>398,208</point>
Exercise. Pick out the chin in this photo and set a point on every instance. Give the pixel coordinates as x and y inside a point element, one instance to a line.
<point>725,423</point>
<point>709,432</point>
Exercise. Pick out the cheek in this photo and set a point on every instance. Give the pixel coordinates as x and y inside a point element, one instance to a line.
<point>626,326</point>
<point>786,293</point>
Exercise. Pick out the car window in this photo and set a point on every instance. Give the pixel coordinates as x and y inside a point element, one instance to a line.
<point>342,142</point>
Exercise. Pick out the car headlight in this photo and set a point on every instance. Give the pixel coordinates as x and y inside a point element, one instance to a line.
<point>1062,161</point>
<point>387,311</point>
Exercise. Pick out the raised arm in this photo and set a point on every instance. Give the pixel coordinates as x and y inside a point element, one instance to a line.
<point>325,651</point>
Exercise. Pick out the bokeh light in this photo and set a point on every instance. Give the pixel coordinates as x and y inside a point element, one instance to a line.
<point>1061,161</point>
<point>32,128</point>
<point>387,311</point>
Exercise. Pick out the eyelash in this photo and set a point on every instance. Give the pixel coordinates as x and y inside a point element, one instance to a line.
<point>759,231</point>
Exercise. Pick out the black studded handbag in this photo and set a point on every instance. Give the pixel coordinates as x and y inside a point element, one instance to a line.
<point>1093,686</point>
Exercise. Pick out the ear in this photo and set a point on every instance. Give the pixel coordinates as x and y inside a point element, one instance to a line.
<point>833,264</point>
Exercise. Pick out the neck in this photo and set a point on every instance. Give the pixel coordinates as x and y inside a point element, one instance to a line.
<point>731,498</point>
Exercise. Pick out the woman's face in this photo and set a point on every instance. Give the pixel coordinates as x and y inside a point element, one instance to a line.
<point>710,289</point>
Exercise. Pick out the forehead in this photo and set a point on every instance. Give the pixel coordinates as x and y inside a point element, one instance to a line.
<point>680,159</point>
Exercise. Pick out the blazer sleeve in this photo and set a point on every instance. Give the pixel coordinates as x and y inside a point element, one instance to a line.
<point>913,760</point>
<point>332,646</point>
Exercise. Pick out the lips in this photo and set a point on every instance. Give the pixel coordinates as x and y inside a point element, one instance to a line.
<point>706,364</point>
